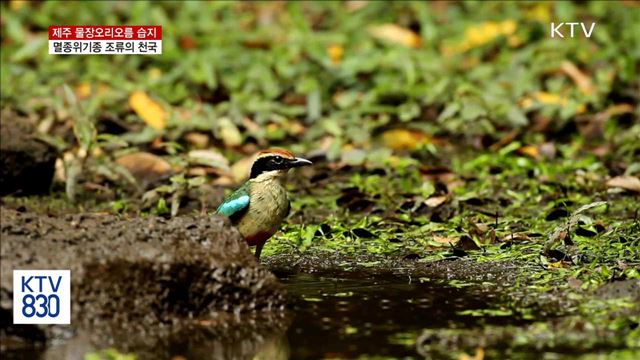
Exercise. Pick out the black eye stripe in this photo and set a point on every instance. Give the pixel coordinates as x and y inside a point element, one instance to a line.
<point>266,164</point>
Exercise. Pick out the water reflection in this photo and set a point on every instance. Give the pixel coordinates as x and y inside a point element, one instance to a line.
<point>328,318</point>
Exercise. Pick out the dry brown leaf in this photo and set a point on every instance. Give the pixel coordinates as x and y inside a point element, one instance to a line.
<point>530,150</point>
<point>209,158</point>
<point>83,90</point>
<point>228,132</point>
<point>224,181</point>
<point>396,34</point>
<point>445,239</point>
<point>404,139</point>
<point>251,126</point>
<point>198,171</point>
<point>199,140</point>
<point>436,201</point>
<point>626,182</point>
<point>149,110</point>
<point>617,109</point>
<point>516,237</point>
<point>295,128</point>
<point>145,167</point>
<point>582,80</point>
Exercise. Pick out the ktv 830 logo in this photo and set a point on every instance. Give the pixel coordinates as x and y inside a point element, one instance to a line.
<point>41,296</point>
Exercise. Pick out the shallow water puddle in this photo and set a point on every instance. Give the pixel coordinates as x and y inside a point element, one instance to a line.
<point>351,317</point>
<point>329,317</point>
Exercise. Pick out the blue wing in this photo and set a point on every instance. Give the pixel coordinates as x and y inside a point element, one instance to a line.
<point>235,205</point>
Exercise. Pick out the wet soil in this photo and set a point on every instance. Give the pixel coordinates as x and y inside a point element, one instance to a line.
<point>145,276</point>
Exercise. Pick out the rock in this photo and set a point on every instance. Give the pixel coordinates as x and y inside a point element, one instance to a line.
<point>144,275</point>
<point>27,164</point>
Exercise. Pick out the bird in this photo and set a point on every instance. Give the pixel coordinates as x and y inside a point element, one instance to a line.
<point>260,205</point>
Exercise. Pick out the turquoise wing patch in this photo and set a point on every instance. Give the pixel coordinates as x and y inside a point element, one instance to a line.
<point>235,204</point>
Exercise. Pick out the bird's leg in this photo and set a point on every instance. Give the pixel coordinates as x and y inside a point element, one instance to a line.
<point>258,250</point>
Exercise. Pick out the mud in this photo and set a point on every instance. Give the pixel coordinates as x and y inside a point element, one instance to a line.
<point>145,277</point>
<point>334,264</point>
<point>27,164</point>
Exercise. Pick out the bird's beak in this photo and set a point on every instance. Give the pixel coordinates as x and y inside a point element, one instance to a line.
<point>298,162</point>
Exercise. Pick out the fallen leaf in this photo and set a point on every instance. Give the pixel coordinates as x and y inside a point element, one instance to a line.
<point>228,132</point>
<point>436,201</point>
<point>481,34</point>
<point>187,42</point>
<point>197,171</point>
<point>145,167</point>
<point>224,181</point>
<point>396,34</point>
<point>335,54</point>
<point>83,90</point>
<point>149,110</point>
<point>530,150</point>
<point>404,139</point>
<point>559,265</point>
<point>547,98</point>
<point>626,182</point>
<point>479,355</point>
<point>209,158</point>
<point>516,237</point>
<point>617,109</point>
<point>199,140</point>
<point>582,80</point>
<point>445,239</point>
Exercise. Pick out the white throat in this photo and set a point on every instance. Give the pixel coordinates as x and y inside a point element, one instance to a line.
<point>273,175</point>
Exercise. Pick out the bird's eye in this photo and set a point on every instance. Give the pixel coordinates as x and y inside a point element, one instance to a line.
<point>278,160</point>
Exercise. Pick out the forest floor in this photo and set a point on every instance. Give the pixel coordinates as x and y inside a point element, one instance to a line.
<point>520,255</point>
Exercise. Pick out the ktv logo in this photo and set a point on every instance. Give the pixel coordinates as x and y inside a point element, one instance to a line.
<point>41,296</point>
<point>557,29</point>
